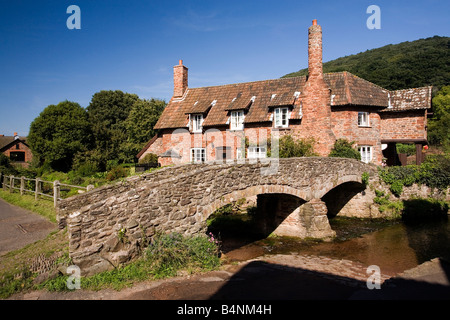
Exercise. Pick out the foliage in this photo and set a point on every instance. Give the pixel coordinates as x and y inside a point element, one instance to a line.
<point>289,147</point>
<point>439,125</point>
<point>343,149</point>
<point>416,210</point>
<point>5,166</point>
<point>140,122</point>
<point>433,172</point>
<point>108,111</point>
<point>365,178</point>
<point>150,159</point>
<point>58,133</point>
<point>405,65</point>
<point>408,148</point>
<point>169,253</point>
<point>117,173</point>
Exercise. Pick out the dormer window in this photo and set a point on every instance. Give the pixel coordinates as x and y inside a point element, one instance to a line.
<point>237,120</point>
<point>196,121</point>
<point>281,117</point>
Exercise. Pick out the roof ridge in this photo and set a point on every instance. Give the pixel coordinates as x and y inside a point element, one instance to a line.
<point>256,81</point>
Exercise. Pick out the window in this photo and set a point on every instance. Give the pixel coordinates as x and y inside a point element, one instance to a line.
<point>237,120</point>
<point>197,121</point>
<point>366,153</point>
<point>239,153</point>
<point>198,155</point>
<point>256,152</point>
<point>363,119</point>
<point>281,117</point>
<point>17,156</point>
<point>223,153</point>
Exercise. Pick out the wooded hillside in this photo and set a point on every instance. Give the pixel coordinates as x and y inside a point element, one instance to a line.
<point>398,66</point>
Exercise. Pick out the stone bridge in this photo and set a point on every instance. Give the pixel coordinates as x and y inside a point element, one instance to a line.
<point>109,225</point>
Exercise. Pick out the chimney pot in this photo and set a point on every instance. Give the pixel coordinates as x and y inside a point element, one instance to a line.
<point>180,62</point>
<point>314,22</point>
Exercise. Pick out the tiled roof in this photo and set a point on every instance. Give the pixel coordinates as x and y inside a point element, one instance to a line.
<point>410,99</point>
<point>259,96</point>
<point>7,140</point>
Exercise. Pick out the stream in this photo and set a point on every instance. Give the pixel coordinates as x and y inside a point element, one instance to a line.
<point>394,246</point>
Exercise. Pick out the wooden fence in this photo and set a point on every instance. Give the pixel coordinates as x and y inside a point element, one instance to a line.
<point>38,187</point>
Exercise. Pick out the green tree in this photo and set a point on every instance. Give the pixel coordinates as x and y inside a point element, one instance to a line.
<point>343,149</point>
<point>439,125</point>
<point>140,122</point>
<point>107,113</point>
<point>58,133</point>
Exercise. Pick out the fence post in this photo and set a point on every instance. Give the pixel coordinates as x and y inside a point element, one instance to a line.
<point>4,182</point>
<point>56,188</point>
<point>37,189</point>
<point>22,185</point>
<point>11,183</point>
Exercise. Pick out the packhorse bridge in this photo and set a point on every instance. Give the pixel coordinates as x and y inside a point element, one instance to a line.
<point>109,225</point>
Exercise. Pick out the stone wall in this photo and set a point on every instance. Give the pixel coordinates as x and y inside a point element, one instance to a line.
<point>110,224</point>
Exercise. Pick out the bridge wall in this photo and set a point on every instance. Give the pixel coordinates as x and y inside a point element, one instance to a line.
<point>109,225</point>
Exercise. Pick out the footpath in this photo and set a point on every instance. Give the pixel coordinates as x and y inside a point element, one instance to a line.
<point>19,227</point>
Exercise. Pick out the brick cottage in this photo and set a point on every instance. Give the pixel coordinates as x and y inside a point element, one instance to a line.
<point>16,149</point>
<point>236,121</point>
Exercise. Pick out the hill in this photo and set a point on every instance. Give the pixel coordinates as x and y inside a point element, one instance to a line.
<point>408,64</point>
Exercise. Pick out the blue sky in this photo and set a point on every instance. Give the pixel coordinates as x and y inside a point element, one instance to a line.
<point>132,45</point>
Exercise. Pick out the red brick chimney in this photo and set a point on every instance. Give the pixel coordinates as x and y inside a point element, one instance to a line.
<point>316,97</point>
<point>315,50</point>
<point>180,80</point>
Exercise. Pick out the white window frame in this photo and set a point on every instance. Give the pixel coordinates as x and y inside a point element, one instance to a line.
<point>198,155</point>
<point>363,119</point>
<point>256,152</point>
<point>196,122</point>
<point>239,153</point>
<point>237,120</point>
<point>366,153</point>
<point>281,117</point>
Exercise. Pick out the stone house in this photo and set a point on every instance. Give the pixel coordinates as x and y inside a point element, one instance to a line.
<point>237,121</point>
<point>16,149</point>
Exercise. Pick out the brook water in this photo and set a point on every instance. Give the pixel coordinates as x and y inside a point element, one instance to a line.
<point>392,245</point>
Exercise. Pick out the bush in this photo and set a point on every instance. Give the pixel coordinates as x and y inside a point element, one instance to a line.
<point>116,173</point>
<point>150,159</point>
<point>409,149</point>
<point>434,172</point>
<point>288,147</point>
<point>343,149</point>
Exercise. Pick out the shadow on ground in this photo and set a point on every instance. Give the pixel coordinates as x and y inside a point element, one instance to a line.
<point>265,281</point>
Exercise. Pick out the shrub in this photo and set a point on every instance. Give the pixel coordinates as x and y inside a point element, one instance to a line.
<point>434,172</point>
<point>150,159</point>
<point>288,147</point>
<point>343,149</point>
<point>116,173</point>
